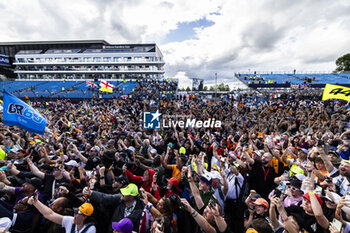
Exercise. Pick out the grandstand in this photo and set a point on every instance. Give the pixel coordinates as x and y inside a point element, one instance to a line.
<point>54,69</point>
<point>287,80</point>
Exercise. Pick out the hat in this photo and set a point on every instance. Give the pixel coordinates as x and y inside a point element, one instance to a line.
<point>258,153</point>
<point>296,183</point>
<point>307,196</point>
<point>256,196</point>
<point>173,181</point>
<point>125,225</point>
<point>335,197</point>
<point>182,150</point>
<point>131,190</point>
<point>87,209</point>
<point>131,148</point>
<point>333,148</point>
<point>46,167</point>
<point>153,151</point>
<point>334,153</point>
<point>4,168</point>
<point>111,141</point>
<point>206,178</point>
<point>36,182</point>
<point>251,230</point>
<point>304,150</point>
<point>97,148</point>
<point>261,201</point>
<point>122,179</point>
<point>71,163</point>
<point>216,175</point>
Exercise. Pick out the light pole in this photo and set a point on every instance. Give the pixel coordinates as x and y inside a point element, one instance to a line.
<point>216,84</point>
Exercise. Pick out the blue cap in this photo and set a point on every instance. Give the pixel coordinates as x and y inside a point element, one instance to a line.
<point>304,150</point>
<point>4,168</point>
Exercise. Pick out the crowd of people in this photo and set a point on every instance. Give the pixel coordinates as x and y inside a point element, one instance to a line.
<point>274,166</point>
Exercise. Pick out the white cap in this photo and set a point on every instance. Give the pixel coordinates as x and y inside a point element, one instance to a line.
<point>131,148</point>
<point>71,163</point>
<point>258,153</point>
<point>153,151</point>
<point>215,175</point>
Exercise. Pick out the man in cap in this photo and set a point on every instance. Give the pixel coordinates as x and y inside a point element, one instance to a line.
<point>79,223</point>
<point>126,204</point>
<point>220,186</point>
<point>94,157</point>
<point>260,210</point>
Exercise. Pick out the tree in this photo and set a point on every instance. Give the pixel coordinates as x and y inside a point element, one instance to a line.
<point>227,88</point>
<point>188,89</point>
<point>205,88</point>
<point>211,88</point>
<point>343,63</point>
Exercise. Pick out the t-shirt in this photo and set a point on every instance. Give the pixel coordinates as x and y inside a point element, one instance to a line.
<point>176,173</point>
<point>67,223</point>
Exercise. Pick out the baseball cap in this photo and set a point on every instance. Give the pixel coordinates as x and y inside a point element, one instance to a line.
<point>205,178</point>
<point>125,225</point>
<point>304,150</point>
<point>46,167</point>
<point>111,141</point>
<point>173,181</point>
<point>36,182</point>
<point>87,209</point>
<point>296,183</point>
<point>131,190</point>
<point>4,168</point>
<point>307,196</point>
<point>333,197</point>
<point>182,150</point>
<point>261,201</point>
<point>122,179</point>
<point>216,175</point>
<point>71,163</point>
<point>153,151</point>
<point>132,149</point>
<point>258,153</point>
<point>251,230</point>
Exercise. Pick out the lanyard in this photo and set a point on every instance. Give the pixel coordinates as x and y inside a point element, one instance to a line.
<point>265,172</point>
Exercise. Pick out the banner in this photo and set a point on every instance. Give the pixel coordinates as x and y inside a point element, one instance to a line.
<point>336,92</point>
<point>4,60</point>
<point>17,113</point>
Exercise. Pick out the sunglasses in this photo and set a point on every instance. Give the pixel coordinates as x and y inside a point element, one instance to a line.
<point>293,188</point>
<point>78,212</point>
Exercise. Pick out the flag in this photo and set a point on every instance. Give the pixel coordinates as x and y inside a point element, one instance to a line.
<point>18,113</point>
<point>106,86</point>
<point>336,92</point>
<point>90,84</point>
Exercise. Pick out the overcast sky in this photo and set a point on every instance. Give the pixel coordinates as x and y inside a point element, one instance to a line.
<point>198,38</point>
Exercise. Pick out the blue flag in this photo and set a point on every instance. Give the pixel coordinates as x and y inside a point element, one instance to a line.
<point>17,113</point>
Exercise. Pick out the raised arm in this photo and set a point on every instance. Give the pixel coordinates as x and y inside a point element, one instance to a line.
<point>45,211</point>
<point>318,212</point>
<point>195,190</point>
<point>35,170</point>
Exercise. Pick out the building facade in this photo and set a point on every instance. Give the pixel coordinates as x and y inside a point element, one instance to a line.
<point>88,60</point>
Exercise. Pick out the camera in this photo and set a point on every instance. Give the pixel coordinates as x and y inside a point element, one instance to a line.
<point>175,200</point>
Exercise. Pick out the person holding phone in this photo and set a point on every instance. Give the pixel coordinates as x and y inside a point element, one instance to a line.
<point>81,222</point>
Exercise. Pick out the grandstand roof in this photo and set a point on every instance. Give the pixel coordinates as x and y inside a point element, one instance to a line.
<point>55,42</point>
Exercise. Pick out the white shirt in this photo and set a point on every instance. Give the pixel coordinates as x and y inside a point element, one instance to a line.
<point>67,223</point>
<point>232,187</point>
<point>342,183</point>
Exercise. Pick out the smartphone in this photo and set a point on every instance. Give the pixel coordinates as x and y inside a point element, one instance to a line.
<point>337,224</point>
<point>347,196</point>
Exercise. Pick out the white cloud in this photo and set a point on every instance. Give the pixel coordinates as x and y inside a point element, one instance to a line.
<point>262,35</point>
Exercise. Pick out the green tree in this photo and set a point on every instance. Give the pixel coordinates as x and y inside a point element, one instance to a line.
<point>205,88</point>
<point>227,88</point>
<point>343,63</point>
<point>211,88</point>
<point>188,89</point>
